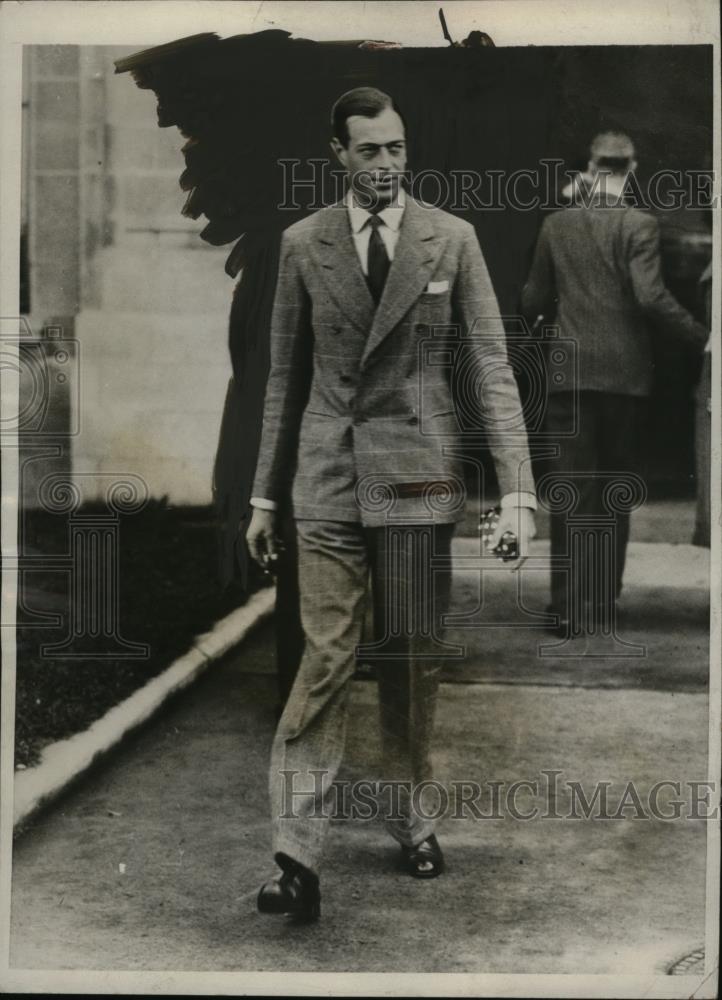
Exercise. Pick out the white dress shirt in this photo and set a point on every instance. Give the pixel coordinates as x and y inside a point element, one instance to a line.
<point>361,231</point>
<point>389,232</point>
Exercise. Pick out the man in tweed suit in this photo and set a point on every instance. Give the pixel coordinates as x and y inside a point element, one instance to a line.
<point>597,267</point>
<point>360,436</point>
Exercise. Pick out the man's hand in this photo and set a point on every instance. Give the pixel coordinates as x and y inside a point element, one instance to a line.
<point>518,520</point>
<point>261,537</point>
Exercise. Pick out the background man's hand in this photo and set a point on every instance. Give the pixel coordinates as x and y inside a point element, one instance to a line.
<point>518,520</point>
<point>261,537</point>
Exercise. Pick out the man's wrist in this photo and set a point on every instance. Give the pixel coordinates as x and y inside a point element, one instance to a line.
<point>263,504</point>
<point>520,499</point>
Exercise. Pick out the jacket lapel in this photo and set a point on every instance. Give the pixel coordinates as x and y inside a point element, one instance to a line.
<point>416,254</point>
<point>335,254</point>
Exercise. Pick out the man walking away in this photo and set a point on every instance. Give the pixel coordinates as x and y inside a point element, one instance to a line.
<point>597,263</point>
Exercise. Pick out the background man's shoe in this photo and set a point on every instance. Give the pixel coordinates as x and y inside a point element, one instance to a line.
<point>562,625</point>
<point>591,619</point>
<point>425,860</point>
<point>296,893</point>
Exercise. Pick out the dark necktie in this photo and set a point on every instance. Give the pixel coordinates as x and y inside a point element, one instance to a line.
<point>378,260</point>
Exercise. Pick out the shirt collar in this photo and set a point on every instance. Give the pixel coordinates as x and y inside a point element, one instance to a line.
<point>587,188</point>
<point>358,216</point>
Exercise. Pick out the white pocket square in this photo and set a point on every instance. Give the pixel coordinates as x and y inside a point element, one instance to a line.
<point>436,287</point>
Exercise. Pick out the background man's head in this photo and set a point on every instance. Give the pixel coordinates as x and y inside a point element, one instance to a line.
<point>612,153</point>
<point>369,138</point>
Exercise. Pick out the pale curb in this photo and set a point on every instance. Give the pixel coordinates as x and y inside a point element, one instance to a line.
<point>62,762</point>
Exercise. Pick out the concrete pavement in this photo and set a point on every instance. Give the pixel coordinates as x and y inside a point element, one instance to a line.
<point>155,860</point>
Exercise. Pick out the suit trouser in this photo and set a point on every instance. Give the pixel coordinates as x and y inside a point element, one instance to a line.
<point>334,561</point>
<point>289,636</point>
<point>607,441</point>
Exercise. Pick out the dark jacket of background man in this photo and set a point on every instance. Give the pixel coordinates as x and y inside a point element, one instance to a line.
<point>600,265</point>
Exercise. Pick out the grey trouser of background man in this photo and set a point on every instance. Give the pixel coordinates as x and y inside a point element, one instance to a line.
<point>335,558</point>
<point>607,443</point>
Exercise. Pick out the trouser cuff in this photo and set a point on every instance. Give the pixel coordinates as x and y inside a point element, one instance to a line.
<point>286,849</point>
<point>411,836</point>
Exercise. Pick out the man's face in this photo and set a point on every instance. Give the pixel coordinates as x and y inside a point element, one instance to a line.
<point>375,157</point>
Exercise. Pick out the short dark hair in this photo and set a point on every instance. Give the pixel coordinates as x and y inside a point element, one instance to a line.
<point>612,151</point>
<point>365,101</point>
<point>615,164</point>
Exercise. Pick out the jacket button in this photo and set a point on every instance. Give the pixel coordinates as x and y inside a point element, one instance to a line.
<point>335,329</point>
<point>413,420</point>
<point>346,379</point>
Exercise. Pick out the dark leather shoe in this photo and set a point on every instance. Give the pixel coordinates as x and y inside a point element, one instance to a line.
<point>295,893</point>
<point>425,860</point>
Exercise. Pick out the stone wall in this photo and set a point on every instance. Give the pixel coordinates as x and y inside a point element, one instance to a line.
<point>115,265</point>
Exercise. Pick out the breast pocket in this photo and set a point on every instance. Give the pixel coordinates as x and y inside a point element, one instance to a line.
<point>434,298</point>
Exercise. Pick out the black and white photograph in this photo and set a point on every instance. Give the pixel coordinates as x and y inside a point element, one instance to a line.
<point>361,498</point>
